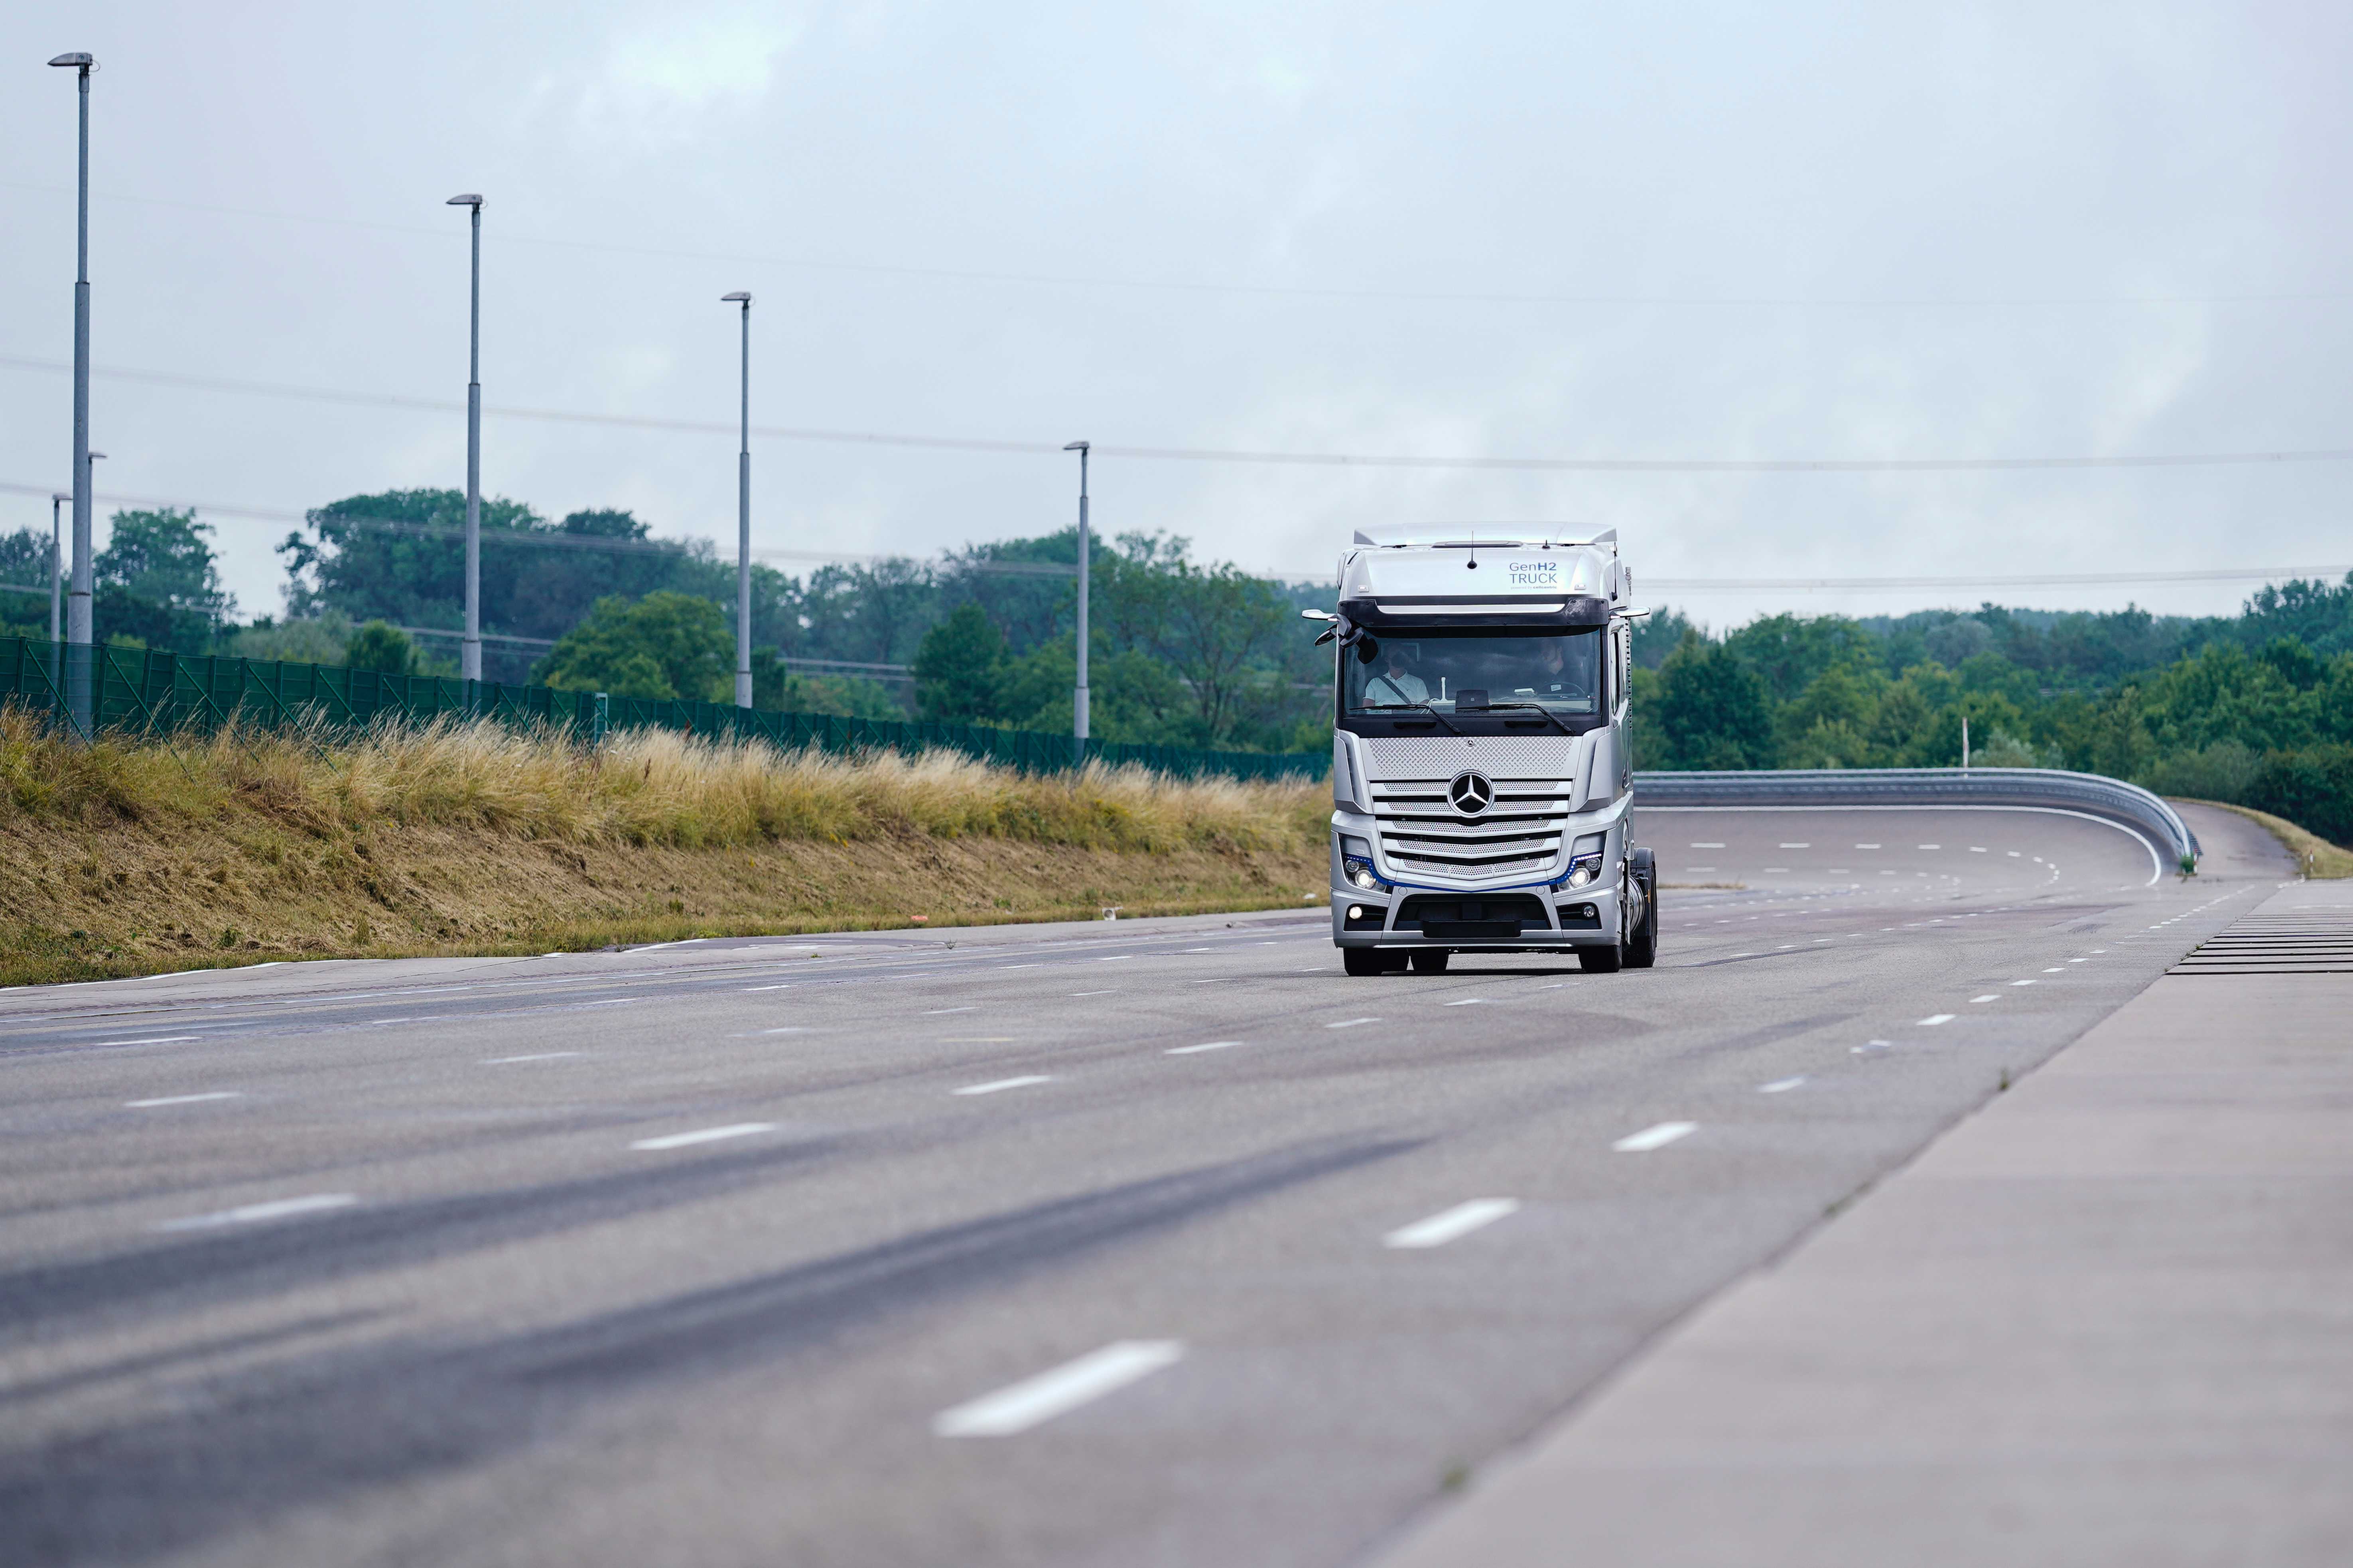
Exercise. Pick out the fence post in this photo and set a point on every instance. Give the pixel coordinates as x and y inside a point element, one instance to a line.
<point>598,719</point>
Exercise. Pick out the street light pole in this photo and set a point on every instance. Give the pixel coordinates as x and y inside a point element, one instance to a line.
<point>57,573</point>
<point>470,651</point>
<point>1079,694</point>
<point>743,518</point>
<point>78,617</point>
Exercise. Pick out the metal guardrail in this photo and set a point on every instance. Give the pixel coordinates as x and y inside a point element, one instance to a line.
<point>2089,792</point>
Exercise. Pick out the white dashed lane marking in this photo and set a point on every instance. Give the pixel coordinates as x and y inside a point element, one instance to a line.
<point>1934,1018</point>
<point>1779,1086</point>
<point>183,1098</point>
<point>704,1135</point>
<point>998,1086</point>
<point>1657,1137</point>
<point>254,1214</point>
<point>1446,1225</point>
<point>1035,1400</point>
<point>533,1057</point>
<point>1207,1045</point>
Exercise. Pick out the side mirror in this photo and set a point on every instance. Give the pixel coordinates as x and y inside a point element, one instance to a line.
<point>1317,616</point>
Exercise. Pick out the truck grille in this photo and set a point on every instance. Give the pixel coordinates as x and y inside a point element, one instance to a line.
<point>1423,836</point>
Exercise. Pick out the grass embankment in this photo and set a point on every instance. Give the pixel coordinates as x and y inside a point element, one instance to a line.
<point>132,857</point>
<point>2315,855</point>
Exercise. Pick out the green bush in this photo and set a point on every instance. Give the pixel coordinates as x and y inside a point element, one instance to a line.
<point>2312,788</point>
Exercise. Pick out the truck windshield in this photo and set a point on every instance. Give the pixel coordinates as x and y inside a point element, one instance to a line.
<point>1463,671</point>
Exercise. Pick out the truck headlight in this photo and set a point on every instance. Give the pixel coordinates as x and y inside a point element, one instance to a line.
<point>1356,865</point>
<point>1584,861</point>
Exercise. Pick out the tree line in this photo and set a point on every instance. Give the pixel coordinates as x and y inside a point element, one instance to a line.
<point>2255,709</point>
<point>1181,652</point>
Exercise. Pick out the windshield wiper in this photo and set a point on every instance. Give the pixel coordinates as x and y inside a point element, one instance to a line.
<point>1557,722</point>
<point>1425,707</point>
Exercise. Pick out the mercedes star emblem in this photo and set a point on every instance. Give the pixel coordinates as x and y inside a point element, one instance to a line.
<point>1470,793</point>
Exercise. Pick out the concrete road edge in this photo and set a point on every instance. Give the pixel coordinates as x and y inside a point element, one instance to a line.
<point>2108,1318</point>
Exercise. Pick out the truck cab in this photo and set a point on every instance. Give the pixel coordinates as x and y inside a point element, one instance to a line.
<point>1481,773</point>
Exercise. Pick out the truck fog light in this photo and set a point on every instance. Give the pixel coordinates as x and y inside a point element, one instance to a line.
<point>1358,912</point>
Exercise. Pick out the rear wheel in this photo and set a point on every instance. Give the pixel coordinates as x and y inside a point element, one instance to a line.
<point>1642,947</point>
<point>1429,962</point>
<point>1361,959</point>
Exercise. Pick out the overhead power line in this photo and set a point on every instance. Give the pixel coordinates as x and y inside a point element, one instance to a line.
<point>2040,580</point>
<point>1648,584</point>
<point>534,540</point>
<point>1242,456</point>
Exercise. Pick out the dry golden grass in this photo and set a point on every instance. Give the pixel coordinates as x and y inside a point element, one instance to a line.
<point>129,855</point>
<point>643,787</point>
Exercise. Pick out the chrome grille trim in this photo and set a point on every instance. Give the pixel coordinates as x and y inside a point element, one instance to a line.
<point>1518,838</point>
<point>1521,835</point>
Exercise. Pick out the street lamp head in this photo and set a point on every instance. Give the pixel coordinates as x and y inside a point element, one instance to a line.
<point>739,296</point>
<point>465,201</point>
<point>94,457</point>
<point>87,62</point>
<point>1077,446</point>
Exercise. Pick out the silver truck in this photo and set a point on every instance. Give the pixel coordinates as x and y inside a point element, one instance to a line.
<point>1480,776</point>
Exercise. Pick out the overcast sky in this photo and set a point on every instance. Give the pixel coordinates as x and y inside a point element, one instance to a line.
<point>1539,230</point>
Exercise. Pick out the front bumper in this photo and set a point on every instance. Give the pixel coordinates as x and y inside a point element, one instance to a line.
<point>1430,915</point>
<point>1464,922</point>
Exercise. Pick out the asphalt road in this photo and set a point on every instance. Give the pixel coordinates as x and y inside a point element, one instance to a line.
<point>1158,1242</point>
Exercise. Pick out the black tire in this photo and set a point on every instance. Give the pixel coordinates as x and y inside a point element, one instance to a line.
<point>1429,962</point>
<point>1601,960</point>
<point>1642,947</point>
<point>1361,959</point>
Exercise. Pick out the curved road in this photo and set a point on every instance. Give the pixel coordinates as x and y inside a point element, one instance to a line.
<point>1155,1242</point>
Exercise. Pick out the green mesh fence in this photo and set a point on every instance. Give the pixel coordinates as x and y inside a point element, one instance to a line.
<point>146,690</point>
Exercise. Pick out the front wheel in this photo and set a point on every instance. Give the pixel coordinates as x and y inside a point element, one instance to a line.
<point>1361,959</point>
<point>1642,947</point>
<point>1611,959</point>
<point>1430,964</point>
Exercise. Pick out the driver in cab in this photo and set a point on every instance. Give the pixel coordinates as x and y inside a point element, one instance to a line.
<point>1551,675</point>
<point>1396,685</point>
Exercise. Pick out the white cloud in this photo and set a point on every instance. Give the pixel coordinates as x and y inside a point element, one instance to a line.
<point>690,62</point>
